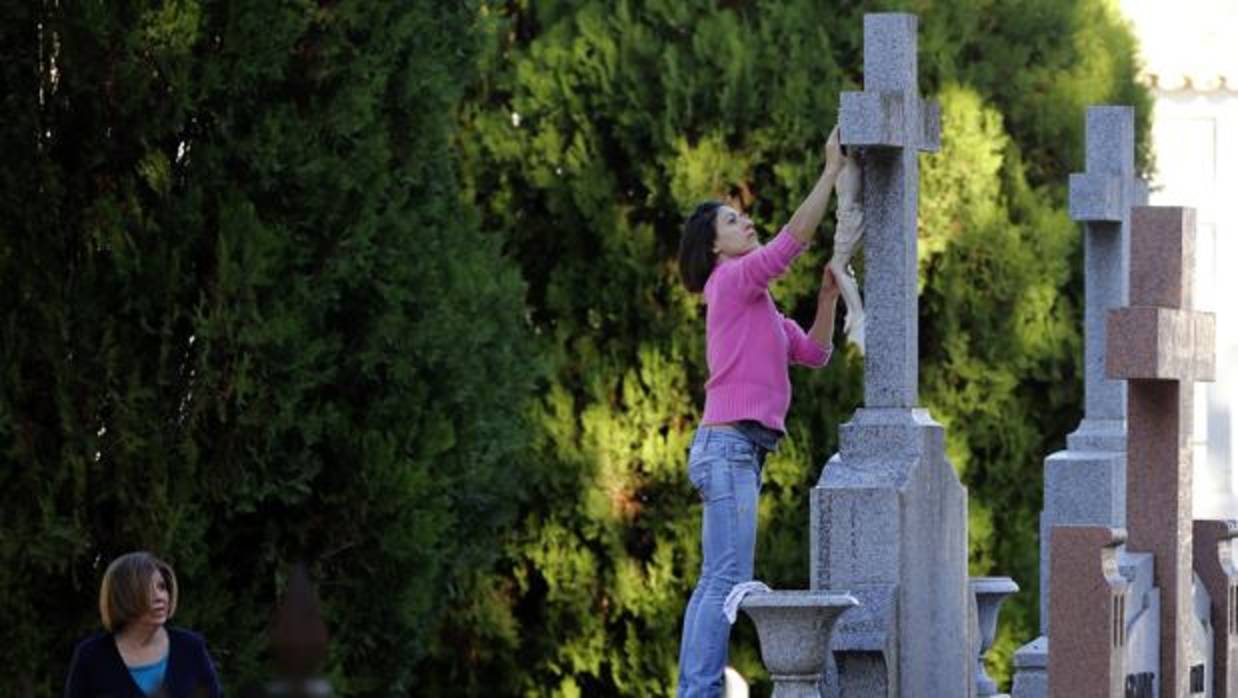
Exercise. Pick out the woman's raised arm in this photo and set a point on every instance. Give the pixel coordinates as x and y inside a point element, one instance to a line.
<point>808,216</point>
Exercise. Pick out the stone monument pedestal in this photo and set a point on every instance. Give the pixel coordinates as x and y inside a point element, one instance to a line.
<point>890,525</point>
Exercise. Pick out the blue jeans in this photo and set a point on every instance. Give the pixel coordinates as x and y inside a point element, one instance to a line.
<point>725,466</point>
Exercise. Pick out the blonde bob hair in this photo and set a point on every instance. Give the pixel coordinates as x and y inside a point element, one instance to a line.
<point>124,595</point>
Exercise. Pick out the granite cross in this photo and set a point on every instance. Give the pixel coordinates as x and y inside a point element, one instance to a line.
<point>890,122</point>
<point>1086,483</point>
<point>1101,198</point>
<point>889,514</point>
<point>1161,346</point>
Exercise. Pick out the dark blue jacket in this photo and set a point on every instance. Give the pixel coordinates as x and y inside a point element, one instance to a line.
<point>97,671</point>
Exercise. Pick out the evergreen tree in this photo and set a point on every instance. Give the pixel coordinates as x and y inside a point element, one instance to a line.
<point>595,127</point>
<point>247,319</point>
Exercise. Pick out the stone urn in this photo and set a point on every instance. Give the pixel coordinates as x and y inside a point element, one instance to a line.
<point>794,629</point>
<point>990,592</point>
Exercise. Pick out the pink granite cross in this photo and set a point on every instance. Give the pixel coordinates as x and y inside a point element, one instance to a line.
<point>1161,346</point>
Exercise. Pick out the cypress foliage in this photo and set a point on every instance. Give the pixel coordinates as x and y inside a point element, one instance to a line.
<point>248,319</point>
<point>596,127</point>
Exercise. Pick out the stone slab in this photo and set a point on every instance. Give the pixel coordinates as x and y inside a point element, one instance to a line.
<point>1104,435</point>
<point>889,516</point>
<point>1085,488</point>
<point>1087,615</point>
<point>1031,665</point>
<point>1141,655</point>
<point>1214,561</point>
<point>855,536</point>
<point>1082,488</point>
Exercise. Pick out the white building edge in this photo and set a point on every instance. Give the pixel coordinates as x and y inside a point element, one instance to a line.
<point>1189,52</point>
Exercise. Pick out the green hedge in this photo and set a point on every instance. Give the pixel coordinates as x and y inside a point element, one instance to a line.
<point>248,320</point>
<point>594,128</point>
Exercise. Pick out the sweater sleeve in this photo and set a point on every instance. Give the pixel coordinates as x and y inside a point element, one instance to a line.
<point>768,262</point>
<point>802,349</point>
<point>77,685</point>
<point>208,680</point>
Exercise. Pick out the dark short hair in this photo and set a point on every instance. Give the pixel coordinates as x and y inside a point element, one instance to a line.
<point>696,247</point>
<point>124,595</point>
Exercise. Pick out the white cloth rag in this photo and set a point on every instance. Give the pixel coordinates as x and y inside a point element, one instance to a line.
<point>730,607</point>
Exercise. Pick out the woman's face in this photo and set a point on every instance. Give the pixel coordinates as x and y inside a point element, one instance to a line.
<point>157,612</point>
<point>734,234</point>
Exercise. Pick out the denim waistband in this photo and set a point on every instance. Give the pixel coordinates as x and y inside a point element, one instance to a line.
<point>759,434</point>
<point>754,432</point>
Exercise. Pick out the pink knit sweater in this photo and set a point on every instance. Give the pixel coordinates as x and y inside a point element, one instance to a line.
<point>748,343</point>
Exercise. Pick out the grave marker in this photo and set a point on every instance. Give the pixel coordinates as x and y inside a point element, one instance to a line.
<point>1161,346</point>
<point>889,515</point>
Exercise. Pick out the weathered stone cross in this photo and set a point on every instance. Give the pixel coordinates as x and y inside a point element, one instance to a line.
<point>889,514</point>
<point>1161,347</point>
<point>890,121</point>
<point>1086,483</point>
<point>1101,198</point>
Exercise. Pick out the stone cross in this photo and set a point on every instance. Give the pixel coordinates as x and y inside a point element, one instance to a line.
<point>1086,483</point>
<point>1101,198</point>
<point>889,515</point>
<point>892,124</point>
<point>1161,347</point>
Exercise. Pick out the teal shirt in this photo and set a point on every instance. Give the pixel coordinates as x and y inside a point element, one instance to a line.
<point>149,677</point>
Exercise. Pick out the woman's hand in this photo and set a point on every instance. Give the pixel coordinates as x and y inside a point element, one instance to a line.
<point>822,331</point>
<point>804,223</point>
<point>829,285</point>
<point>834,158</point>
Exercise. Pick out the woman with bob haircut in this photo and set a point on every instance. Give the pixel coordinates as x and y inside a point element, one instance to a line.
<point>749,346</point>
<point>138,655</point>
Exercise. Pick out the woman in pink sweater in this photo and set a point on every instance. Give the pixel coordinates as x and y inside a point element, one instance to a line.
<point>749,347</point>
